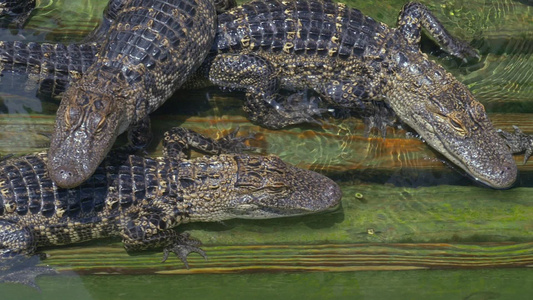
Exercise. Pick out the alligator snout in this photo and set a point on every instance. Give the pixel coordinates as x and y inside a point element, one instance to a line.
<point>313,192</point>
<point>66,176</point>
<point>331,195</point>
<point>505,175</point>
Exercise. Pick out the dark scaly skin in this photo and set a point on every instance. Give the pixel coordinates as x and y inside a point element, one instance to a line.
<point>52,66</point>
<point>354,62</point>
<point>223,6</point>
<point>140,199</point>
<point>20,10</point>
<point>17,10</point>
<point>148,52</point>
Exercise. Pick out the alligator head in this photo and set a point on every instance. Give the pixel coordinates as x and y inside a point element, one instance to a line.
<point>87,124</point>
<point>266,187</point>
<point>448,117</point>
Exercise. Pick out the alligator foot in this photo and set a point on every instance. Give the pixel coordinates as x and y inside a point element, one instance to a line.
<point>230,143</point>
<point>301,103</point>
<point>179,141</point>
<point>223,6</point>
<point>23,270</point>
<point>380,118</point>
<point>296,109</point>
<point>18,12</point>
<point>184,246</point>
<point>26,275</point>
<point>280,118</point>
<point>140,133</point>
<point>139,137</point>
<point>375,122</point>
<point>518,142</point>
<point>259,78</point>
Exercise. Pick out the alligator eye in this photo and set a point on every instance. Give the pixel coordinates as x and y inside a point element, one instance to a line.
<point>100,125</point>
<point>457,126</point>
<point>277,187</point>
<point>67,118</point>
<point>70,115</point>
<point>276,190</point>
<point>455,123</point>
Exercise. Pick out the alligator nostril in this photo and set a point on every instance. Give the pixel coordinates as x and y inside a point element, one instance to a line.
<point>64,173</point>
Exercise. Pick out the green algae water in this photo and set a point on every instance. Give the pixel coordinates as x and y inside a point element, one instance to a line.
<point>410,226</point>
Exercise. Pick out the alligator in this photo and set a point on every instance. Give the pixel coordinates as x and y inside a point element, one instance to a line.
<point>140,199</point>
<point>352,62</point>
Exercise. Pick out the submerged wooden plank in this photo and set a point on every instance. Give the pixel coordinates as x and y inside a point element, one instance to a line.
<point>297,258</point>
<point>336,146</point>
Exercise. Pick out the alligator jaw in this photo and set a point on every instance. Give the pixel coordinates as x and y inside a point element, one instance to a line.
<point>70,166</point>
<point>499,175</point>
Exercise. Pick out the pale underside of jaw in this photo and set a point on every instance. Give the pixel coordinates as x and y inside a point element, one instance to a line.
<point>436,142</point>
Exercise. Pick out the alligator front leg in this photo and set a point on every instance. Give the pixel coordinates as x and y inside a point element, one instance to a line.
<point>414,15</point>
<point>357,96</point>
<point>152,231</point>
<point>178,142</point>
<point>259,79</point>
<point>518,142</point>
<point>50,67</point>
<point>139,137</point>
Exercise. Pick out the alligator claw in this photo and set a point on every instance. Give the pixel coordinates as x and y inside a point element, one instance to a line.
<point>380,120</point>
<point>464,51</point>
<point>23,270</point>
<point>184,246</point>
<point>230,143</point>
<point>302,104</point>
<point>518,142</point>
<point>297,109</point>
